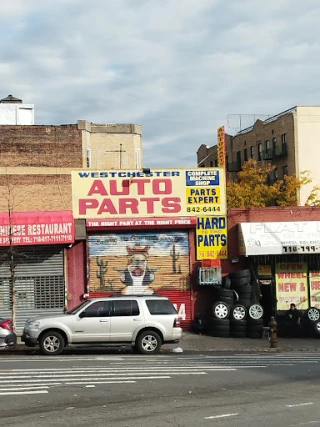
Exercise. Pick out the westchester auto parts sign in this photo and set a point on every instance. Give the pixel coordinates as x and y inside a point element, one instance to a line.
<point>162,192</point>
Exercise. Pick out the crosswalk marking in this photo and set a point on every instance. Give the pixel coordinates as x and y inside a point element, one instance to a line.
<point>128,369</point>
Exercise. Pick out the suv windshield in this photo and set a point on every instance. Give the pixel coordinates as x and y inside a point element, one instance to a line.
<point>78,307</point>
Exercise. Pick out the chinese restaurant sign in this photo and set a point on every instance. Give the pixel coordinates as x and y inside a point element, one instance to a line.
<point>36,228</point>
<point>160,193</point>
<point>292,285</point>
<point>212,238</point>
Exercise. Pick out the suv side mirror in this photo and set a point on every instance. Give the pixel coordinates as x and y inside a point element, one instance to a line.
<point>82,314</point>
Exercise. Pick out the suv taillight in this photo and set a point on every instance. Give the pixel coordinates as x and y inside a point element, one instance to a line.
<point>6,324</point>
<point>176,323</point>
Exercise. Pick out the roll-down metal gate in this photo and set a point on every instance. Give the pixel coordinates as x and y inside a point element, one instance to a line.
<point>39,282</point>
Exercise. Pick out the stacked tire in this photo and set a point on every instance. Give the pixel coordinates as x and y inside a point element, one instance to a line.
<point>240,283</point>
<point>254,328</point>
<point>311,322</point>
<point>219,324</point>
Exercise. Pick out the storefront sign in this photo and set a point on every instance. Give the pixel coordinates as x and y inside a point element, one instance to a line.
<point>264,270</point>
<point>221,147</point>
<point>276,238</point>
<point>141,222</point>
<point>314,288</point>
<point>212,238</point>
<point>36,228</point>
<point>160,193</point>
<point>292,285</point>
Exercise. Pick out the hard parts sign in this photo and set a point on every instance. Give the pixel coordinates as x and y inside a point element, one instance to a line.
<point>212,238</point>
<point>176,192</point>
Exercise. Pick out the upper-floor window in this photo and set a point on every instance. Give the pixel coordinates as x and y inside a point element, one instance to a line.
<point>284,142</point>
<point>285,170</point>
<point>216,163</point>
<point>267,144</point>
<point>275,173</point>
<point>259,152</point>
<point>88,158</point>
<point>252,152</point>
<point>211,163</point>
<point>245,154</point>
<point>239,159</point>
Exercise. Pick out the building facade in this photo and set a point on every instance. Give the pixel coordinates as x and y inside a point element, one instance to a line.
<point>288,141</point>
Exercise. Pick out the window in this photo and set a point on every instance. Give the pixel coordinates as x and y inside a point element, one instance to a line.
<point>239,159</point>
<point>259,152</point>
<point>216,163</point>
<point>88,158</point>
<point>274,145</point>
<point>275,174</point>
<point>98,309</point>
<point>284,142</point>
<point>252,152</point>
<point>125,308</point>
<point>211,163</point>
<point>285,170</point>
<point>267,143</point>
<point>245,154</point>
<point>160,307</point>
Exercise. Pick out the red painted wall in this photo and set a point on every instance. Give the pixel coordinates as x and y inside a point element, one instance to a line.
<point>76,273</point>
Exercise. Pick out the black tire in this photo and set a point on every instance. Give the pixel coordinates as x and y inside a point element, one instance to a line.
<point>226,300</point>
<point>236,334</point>
<point>255,328</point>
<point>226,282</point>
<point>241,308</point>
<point>221,328</point>
<point>214,321</point>
<point>254,335</point>
<point>52,343</point>
<point>240,282</point>
<point>226,310</point>
<point>222,334</point>
<point>148,342</point>
<point>239,274</point>
<point>243,289</point>
<point>235,323</point>
<point>224,293</point>
<point>255,322</point>
<point>316,326</point>
<point>238,328</point>
<point>313,314</point>
<point>245,302</point>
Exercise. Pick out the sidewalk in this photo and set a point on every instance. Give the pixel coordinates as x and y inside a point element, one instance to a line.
<point>203,343</point>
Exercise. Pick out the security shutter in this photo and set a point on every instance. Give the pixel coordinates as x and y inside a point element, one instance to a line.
<point>142,263</point>
<point>39,283</point>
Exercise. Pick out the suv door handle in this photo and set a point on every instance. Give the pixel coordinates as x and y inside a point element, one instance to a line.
<point>137,320</point>
<point>103,320</point>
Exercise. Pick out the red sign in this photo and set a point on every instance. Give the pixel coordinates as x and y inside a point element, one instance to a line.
<point>36,228</point>
<point>177,221</point>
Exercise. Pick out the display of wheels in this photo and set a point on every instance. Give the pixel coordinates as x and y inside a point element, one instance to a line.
<point>221,310</point>
<point>313,314</point>
<point>317,327</point>
<point>255,311</point>
<point>238,312</point>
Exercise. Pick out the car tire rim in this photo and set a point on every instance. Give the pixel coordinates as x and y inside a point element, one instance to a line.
<point>51,344</point>
<point>256,311</point>
<point>239,313</point>
<point>313,314</point>
<point>149,343</point>
<point>221,311</point>
<point>318,327</point>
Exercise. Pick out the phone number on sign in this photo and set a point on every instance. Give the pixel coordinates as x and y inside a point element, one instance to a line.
<point>301,249</point>
<point>203,209</point>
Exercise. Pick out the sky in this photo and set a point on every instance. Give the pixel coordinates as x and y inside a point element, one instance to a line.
<point>180,68</point>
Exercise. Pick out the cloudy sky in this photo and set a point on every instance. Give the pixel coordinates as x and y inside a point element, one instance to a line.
<point>180,68</point>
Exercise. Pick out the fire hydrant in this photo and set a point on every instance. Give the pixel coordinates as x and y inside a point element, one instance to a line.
<point>273,333</point>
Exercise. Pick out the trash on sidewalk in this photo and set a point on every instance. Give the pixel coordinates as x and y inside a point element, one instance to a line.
<point>177,350</point>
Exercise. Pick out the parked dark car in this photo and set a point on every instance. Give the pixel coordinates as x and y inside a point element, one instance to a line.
<point>7,337</point>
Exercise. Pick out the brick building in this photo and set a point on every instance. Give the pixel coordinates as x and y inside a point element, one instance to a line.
<point>37,228</point>
<point>288,141</point>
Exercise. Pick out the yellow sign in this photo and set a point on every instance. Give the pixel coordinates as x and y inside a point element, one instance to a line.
<point>221,147</point>
<point>160,193</point>
<point>292,285</point>
<point>314,283</point>
<point>264,270</point>
<point>212,241</point>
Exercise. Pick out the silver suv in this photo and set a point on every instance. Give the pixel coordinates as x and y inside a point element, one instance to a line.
<point>143,322</point>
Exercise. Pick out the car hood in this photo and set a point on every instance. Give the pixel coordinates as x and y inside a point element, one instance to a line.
<point>54,316</point>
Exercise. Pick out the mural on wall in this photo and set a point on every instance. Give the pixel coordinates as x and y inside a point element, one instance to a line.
<point>139,263</point>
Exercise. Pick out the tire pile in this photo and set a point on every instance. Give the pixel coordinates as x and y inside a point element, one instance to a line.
<point>233,312</point>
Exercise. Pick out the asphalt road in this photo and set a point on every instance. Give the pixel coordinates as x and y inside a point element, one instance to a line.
<point>165,390</point>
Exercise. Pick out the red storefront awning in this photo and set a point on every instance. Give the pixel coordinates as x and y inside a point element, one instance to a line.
<point>150,222</point>
<point>36,228</point>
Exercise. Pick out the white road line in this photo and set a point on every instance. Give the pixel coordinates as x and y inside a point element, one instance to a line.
<point>299,404</point>
<point>220,416</point>
<point>115,382</point>
<point>14,393</point>
<point>35,387</point>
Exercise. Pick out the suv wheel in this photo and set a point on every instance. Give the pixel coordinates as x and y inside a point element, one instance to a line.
<point>52,343</point>
<point>148,342</point>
